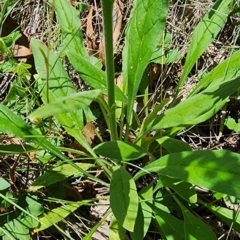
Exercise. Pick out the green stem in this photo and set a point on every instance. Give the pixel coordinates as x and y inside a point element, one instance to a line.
<point>107,9</point>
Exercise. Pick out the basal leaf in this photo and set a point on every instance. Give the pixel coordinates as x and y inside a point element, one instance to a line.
<point>205,32</point>
<point>16,148</point>
<point>217,170</point>
<point>55,83</point>
<point>194,228</point>
<point>120,151</point>
<point>50,68</point>
<point>124,198</point>
<point>59,174</point>
<point>144,216</point>
<point>95,77</point>
<point>173,145</point>
<point>224,71</point>
<point>229,216</point>
<point>67,104</point>
<point>170,227</point>
<point>116,231</point>
<point>4,184</point>
<point>13,124</point>
<point>70,24</point>
<point>144,32</point>
<point>182,188</point>
<point>197,108</point>
<point>58,214</point>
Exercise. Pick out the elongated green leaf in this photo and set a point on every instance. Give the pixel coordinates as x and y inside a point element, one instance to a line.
<point>145,30</point>
<point>58,214</point>
<point>183,189</point>
<point>195,229</point>
<point>144,216</point>
<point>124,198</point>
<point>58,85</point>
<point>15,148</point>
<point>70,25</point>
<point>230,217</point>
<point>58,174</point>
<point>170,227</point>
<point>224,71</point>
<point>50,68</point>
<point>70,103</point>
<point>173,145</point>
<point>216,170</point>
<point>13,124</point>
<point>121,151</point>
<point>196,109</point>
<point>95,77</point>
<point>205,33</point>
<point>116,231</point>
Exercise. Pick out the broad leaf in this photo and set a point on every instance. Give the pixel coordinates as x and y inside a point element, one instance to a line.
<point>217,170</point>
<point>17,224</point>
<point>70,24</point>
<point>194,228</point>
<point>173,145</point>
<point>204,34</point>
<point>51,71</point>
<point>55,83</point>
<point>120,151</point>
<point>59,174</point>
<point>183,189</point>
<point>93,76</point>
<point>4,184</point>
<point>224,71</point>
<point>124,198</point>
<point>197,108</point>
<point>71,103</point>
<point>170,227</point>
<point>15,148</point>
<point>58,214</point>
<point>229,216</point>
<point>144,216</point>
<point>144,32</point>
<point>13,124</point>
<point>116,231</point>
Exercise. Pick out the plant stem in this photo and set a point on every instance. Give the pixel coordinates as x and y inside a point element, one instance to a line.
<point>107,8</point>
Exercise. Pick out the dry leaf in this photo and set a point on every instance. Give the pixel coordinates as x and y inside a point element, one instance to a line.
<point>91,41</point>
<point>117,21</point>
<point>89,132</point>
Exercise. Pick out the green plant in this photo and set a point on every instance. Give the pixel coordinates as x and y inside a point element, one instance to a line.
<point>178,169</point>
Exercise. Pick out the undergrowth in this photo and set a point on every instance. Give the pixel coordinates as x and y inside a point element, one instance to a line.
<point>119,119</point>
